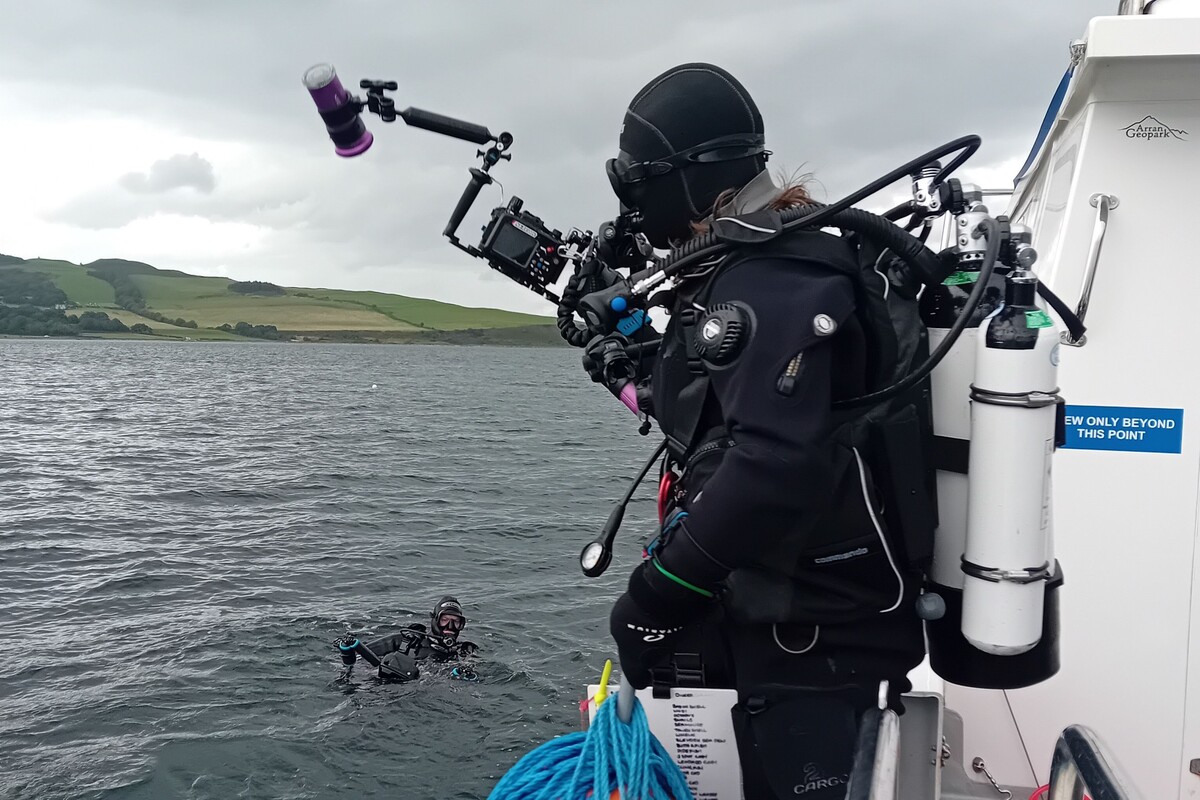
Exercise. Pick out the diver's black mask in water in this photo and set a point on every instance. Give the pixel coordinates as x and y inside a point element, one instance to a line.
<point>447,620</point>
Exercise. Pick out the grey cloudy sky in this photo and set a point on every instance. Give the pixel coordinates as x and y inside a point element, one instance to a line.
<point>179,132</point>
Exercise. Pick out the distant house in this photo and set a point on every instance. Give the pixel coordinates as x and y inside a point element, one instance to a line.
<point>60,307</point>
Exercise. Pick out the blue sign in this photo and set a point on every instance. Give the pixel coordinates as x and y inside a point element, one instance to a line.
<point>1142,430</point>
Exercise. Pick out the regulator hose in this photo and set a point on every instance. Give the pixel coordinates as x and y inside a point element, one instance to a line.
<point>571,333</point>
<point>589,276</point>
<point>990,229</point>
<point>705,246</point>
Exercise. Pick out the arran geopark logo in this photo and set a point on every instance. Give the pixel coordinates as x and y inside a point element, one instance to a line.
<point>1150,127</point>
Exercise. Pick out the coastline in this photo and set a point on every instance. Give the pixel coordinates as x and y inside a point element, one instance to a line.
<point>527,336</point>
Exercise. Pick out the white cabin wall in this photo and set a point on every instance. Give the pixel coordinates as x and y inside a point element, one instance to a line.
<point>1125,522</point>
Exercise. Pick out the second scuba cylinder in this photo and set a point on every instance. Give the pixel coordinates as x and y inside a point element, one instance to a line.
<point>1013,418</point>
<point>951,389</point>
<point>976,653</point>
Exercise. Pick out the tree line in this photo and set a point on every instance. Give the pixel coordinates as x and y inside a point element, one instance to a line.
<point>33,321</point>
<point>256,287</point>
<point>22,287</point>
<point>253,331</point>
<point>130,297</point>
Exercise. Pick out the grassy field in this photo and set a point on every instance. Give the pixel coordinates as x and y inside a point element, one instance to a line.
<point>315,312</point>
<point>428,313</point>
<point>74,280</point>
<point>210,303</point>
<point>162,328</point>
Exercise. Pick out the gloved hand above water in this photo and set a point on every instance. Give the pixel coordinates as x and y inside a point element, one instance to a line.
<point>605,359</point>
<point>647,619</point>
<point>464,673</point>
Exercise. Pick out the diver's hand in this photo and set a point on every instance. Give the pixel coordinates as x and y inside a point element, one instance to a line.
<point>647,619</point>
<point>464,673</point>
<point>605,360</point>
<point>642,641</point>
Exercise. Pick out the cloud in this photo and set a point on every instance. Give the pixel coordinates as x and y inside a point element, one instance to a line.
<point>253,195</point>
<point>177,172</point>
<point>848,89</point>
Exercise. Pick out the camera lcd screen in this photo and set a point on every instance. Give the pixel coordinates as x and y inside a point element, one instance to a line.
<point>514,244</point>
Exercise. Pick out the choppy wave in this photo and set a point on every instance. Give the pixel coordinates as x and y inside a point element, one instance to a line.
<point>185,528</point>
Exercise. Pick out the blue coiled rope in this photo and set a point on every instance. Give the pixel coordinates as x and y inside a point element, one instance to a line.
<point>610,755</point>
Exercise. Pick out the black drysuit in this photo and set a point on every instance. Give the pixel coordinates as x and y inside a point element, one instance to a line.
<point>784,523</point>
<point>415,641</point>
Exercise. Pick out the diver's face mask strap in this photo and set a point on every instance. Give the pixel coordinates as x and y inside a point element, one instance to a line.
<point>625,174</point>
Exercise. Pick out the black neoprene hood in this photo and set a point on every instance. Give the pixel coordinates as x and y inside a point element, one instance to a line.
<point>688,135</point>
<point>447,604</point>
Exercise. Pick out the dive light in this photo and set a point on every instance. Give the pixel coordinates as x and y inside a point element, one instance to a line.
<point>339,109</point>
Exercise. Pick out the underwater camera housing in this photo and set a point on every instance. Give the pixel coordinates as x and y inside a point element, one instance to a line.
<point>520,246</point>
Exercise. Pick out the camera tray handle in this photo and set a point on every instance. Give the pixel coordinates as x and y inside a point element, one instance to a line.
<point>479,179</point>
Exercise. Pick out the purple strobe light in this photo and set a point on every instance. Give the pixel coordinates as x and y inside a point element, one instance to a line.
<point>350,137</point>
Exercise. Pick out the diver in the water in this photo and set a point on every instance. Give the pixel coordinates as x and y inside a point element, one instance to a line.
<point>397,654</point>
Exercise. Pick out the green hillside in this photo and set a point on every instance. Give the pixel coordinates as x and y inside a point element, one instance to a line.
<point>80,287</point>
<point>170,302</point>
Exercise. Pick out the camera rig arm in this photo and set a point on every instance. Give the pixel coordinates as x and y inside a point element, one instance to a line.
<point>385,107</point>
<point>515,242</point>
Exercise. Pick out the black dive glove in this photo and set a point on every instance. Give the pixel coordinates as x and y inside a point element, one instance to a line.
<point>646,620</point>
<point>605,359</point>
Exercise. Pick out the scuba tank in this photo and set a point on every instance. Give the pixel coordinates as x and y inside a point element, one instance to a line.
<point>987,497</point>
<point>1013,419</point>
<point>951,387</point>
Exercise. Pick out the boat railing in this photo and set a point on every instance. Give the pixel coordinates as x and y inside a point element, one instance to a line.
<point>875,773</point>
<point>1082,767</point>
<point>1103,203</point>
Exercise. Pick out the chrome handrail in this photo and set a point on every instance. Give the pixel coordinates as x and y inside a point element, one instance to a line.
<point>1080,766</point>
<point>875,774</point>
<point>1103,203</point>
<point>886,774</point>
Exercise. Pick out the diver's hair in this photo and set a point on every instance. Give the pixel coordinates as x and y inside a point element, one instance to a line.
<point>794,193</point>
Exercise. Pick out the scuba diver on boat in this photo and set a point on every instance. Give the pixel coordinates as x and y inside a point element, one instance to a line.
<point>818,470</point>
<point>778,570</point>
<point>396,655</point>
